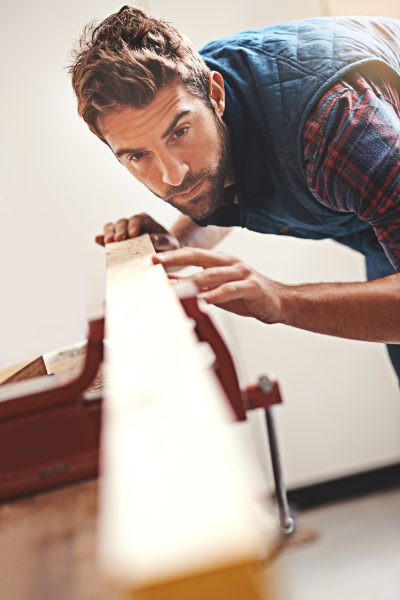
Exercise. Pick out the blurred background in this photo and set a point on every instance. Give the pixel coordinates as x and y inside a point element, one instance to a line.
<point>59,185</point>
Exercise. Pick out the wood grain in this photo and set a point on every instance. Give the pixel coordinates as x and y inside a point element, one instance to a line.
<point>21,371</point>
<point>127,259</point>
<point>47,547</point>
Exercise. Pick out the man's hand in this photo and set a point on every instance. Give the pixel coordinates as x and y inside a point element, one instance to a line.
<point>138,225</point>
<point>228,283</point>
<point>367,310</point>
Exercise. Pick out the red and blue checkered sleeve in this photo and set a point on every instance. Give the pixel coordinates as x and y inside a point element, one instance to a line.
<point>352,155</point>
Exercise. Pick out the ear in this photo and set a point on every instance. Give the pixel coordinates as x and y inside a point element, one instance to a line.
<point>217,91</point>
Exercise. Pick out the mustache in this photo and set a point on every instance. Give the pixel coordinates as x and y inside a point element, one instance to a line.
<point>187,184</point>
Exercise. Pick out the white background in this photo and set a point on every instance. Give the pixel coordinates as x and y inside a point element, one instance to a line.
<point>59,185</point>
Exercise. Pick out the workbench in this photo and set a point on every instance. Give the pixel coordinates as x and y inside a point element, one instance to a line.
<point>47,546</point>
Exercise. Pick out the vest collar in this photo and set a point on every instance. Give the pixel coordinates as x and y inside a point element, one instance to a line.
<point>249,155</point>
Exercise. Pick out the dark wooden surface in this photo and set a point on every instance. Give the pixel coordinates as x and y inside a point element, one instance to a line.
<point>47,546</point>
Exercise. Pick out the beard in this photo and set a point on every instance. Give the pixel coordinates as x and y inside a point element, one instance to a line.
<point>209,200</point>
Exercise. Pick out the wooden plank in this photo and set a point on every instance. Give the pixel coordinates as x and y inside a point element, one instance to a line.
<point>128,259</point>
<point>177,506</point>
<point>21,371</point>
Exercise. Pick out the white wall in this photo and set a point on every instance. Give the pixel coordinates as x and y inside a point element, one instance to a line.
<point>59,185</point>
<point>208,19</point>
<point>388,8</point>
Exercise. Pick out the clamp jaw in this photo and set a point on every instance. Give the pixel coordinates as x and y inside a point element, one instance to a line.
<point>264,394</point>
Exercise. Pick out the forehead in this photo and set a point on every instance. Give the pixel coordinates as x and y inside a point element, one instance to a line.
<point>130,124</point>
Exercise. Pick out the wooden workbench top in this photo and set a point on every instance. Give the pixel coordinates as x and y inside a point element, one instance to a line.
<point>47,544</point>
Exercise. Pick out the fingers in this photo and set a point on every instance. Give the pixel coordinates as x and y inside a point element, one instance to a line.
<point>121,230</point>
<point>135,225</point>
<point>108,232</point>
<point>196,257</point>
<point>234,290</point>
<point>142,223</point>
<point>216,276</point>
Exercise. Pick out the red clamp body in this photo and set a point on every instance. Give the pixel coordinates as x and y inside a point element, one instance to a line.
<point>261,395</point>
<point>51,437</point>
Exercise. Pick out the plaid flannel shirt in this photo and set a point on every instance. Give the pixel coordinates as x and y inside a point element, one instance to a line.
<point>351,147</point>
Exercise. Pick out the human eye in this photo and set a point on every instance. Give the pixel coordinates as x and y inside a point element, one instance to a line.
<point>136,156</point>
<point>181,132</point>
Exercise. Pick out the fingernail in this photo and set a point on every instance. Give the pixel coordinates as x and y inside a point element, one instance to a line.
<point>160,256</point>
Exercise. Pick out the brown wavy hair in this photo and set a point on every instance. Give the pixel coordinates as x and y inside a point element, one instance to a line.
<point>127,59</point>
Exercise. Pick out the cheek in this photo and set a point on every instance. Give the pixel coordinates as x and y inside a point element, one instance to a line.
<point>207,138</point>
<point>142,173</point>
<point>150,178</point>
<point>213,150</point>
<point>205,152</point>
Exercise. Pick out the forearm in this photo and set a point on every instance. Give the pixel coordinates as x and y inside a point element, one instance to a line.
<point>363,311</point>
<point>190,234</point>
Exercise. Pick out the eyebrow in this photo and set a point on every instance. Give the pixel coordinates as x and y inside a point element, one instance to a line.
<point>121,151</point>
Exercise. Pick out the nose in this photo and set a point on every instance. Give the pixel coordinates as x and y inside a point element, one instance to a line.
<point>173,170</point>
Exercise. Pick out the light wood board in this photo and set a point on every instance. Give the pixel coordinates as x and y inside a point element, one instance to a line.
<point>177,505</point>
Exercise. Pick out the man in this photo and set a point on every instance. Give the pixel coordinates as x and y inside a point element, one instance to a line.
<point>293,129</point>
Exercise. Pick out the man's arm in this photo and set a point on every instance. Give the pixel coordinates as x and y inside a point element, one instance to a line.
<point>360,311</point>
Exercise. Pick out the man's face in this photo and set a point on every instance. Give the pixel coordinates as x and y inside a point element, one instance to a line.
<point>176,146</point>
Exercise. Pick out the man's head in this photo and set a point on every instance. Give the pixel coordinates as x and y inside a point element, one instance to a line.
<point>144,90</point>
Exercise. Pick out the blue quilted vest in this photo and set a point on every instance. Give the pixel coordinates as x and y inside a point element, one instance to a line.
<point>273,78</point>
